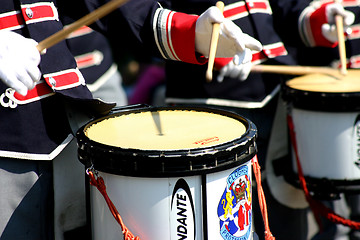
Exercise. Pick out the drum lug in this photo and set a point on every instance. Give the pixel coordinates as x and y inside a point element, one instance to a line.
<point>93,170</point>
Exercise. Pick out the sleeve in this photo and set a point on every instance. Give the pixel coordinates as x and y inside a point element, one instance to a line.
<point>219,63</point>
<point>174,35</point>
<point>144,27</point>
<point>310,23</point>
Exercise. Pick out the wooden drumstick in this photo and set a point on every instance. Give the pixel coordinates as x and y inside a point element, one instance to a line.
<point>340,33</point>
<point>295,70</point>
<point>213,44</point>
<point>84,21</point>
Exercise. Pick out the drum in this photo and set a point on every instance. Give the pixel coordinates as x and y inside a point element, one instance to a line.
<point>325,116</point>
<point>172,172</point>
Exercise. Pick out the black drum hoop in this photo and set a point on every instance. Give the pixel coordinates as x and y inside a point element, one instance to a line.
<point>167,163</point>
<point>319,188</point>
<point>325,188</point>
<point>321,101</point>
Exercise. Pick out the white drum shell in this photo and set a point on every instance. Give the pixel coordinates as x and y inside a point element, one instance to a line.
<point>328,143</point>
<point>145,206</point>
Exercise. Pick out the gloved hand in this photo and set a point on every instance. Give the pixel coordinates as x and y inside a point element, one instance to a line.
<point>19,60</point>
<point>317,23</point>
<point>329,29</point>
<point>239,67</point>
<point>232,41</point>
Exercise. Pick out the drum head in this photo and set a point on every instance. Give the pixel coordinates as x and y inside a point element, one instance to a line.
<point>324,92</point>
<point>166,141</point>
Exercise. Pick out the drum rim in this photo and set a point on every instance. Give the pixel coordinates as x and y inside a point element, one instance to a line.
<point>324,188</point>
<point>196,160</point>
<point>321,101</point>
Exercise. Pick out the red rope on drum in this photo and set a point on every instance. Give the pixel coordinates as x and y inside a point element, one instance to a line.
<point>100,185</point>
<point>317,207</point>
<point>262,201</point>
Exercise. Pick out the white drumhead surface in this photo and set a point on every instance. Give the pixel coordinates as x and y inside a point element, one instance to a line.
<point>166,130</point>
<point>327,83</point>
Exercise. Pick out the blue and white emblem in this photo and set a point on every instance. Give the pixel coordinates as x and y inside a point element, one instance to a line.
<point>235,209</point>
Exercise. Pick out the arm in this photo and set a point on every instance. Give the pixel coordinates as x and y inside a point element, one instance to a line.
<point>145,25</point>
<point>308,22</point>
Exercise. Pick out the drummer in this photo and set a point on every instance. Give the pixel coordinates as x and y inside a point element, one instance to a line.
<point>36,88</point>
<point>253,95</point>
<point>95,61</point>
<point>310,55</point>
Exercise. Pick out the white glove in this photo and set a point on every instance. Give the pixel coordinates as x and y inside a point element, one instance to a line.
<point>232,41</point>
<point>239,67</point>
<point>19,60</point>
<point>329,29</point>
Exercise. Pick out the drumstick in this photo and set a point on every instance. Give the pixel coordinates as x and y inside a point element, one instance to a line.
<point>84,21</point>
<point>157,121</point>
<point>294,70</point>
<point>340,33</point>
<point>213,44</point>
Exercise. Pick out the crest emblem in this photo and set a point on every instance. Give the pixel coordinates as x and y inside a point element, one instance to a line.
<point>234,209</point>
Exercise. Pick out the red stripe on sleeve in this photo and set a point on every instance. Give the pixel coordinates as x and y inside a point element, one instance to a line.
<point>183,38</point>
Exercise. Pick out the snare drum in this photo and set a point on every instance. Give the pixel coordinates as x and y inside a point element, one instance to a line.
<point>325,112</point>
<point>172,173</point>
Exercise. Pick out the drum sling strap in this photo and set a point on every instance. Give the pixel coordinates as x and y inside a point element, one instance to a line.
<point>262,201</point>
<point>317,207</point>
<point>98,182</point>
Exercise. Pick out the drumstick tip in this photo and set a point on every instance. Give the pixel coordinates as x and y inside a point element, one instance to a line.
<point>209,75</point>
<point>343,71</point>
<point>41,49</point>
<point>220,5</point>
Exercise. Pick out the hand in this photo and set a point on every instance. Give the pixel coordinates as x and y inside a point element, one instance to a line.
<point>19,60</point>
<point>239,67</point>
<point>329,29</point>
<point>232,41</point>
<point>317,23</point>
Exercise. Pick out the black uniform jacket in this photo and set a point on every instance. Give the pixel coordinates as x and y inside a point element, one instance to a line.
<point>35,126</point>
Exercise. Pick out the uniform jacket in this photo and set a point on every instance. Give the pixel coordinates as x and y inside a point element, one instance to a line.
<point>93,55</point>
<point>35,126</point>
<point>186,83</point>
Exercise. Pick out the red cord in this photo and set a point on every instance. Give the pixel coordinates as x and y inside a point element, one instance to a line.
<point>317,207</point>
<point>262,201</point>
<point>100,185</point>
